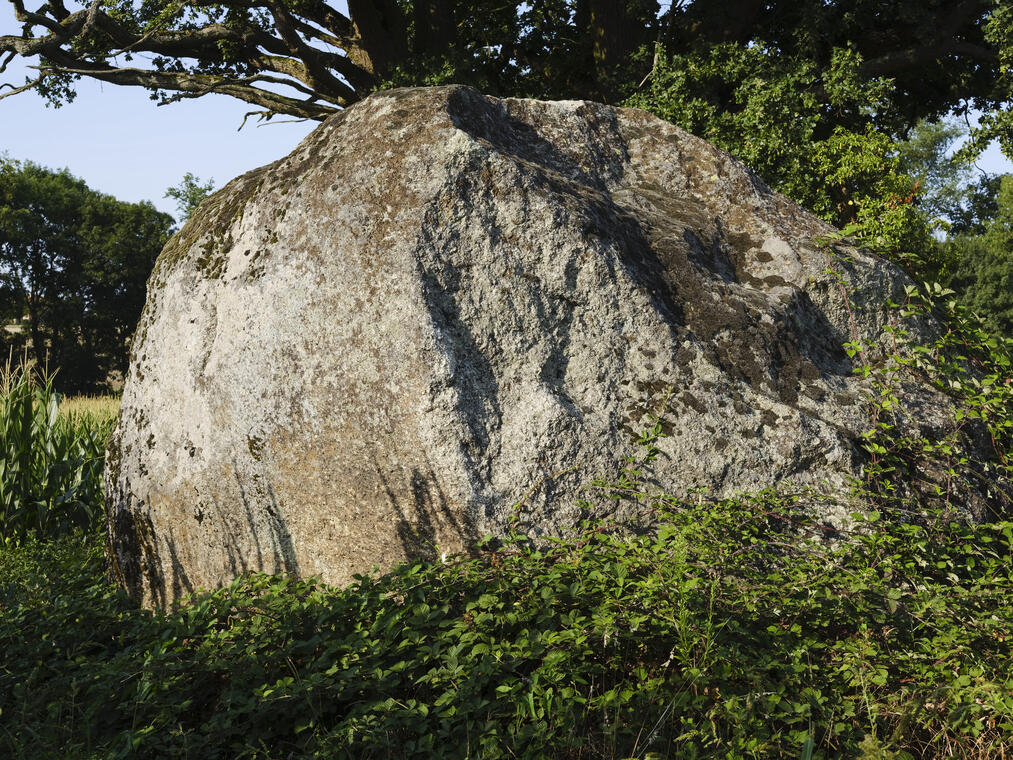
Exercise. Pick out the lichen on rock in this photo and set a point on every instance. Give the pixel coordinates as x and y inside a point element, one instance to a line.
<point>443,304</point>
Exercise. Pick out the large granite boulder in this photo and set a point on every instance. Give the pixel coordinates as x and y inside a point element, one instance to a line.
<point>441,306</point>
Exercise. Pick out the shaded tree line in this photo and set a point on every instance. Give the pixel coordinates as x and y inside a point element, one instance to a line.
<point>977,262</point>
<point>73,267</point>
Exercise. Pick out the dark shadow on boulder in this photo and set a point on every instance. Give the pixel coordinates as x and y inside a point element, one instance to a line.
<point>473,371</point>
<point>566,176</point>
<point>493,122</point>
<point>683,260</point>
<point>282,545</point>
<point>133,556</point>
<point>418,514</point>
<point>264,505</point>
<point>136,560</point>
<point>181,584</point>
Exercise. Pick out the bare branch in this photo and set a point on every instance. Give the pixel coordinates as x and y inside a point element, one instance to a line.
<point>190,85</point>
<point>334,79</point>
<point>316,76</point>
<point>204,39</point>
<point>261,116</point>
<point>21,14</point>
<point>243,81</point>
<point>339,93</point>
<point>139,41</point>
<point>266,116</point>
<point>15,90</point>
<point>337,23</point>
<point>60,11</point>
<point>23,47</point>
<point>309,31</point>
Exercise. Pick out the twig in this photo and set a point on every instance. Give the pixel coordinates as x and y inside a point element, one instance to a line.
<point>16,90</point>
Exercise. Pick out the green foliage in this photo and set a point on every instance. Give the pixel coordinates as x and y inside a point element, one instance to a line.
<point>765,107</point>
<point>910,469</point>
<point>741,628</point>
<point>73,264</point>
<point>997,120</point>
<point>50,463</point>
<point>189,193</point>
<point>979,267</point>
<point>747,627</point>
<point>981,207</point>
<point>983,279</point>
<point>920,58</point>
<point>946,193</point>
<point>999,234</point>
<point>733,630</point>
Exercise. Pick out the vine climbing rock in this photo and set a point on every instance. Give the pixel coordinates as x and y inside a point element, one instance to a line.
<point>444,315</point>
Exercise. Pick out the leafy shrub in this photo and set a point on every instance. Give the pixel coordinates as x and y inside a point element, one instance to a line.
<point>741,628</point>
<point>910,468</point>
<point>758,103</point>
<point>50,463</point>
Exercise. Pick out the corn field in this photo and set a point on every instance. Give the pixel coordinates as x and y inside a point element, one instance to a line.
<point>50,461</point>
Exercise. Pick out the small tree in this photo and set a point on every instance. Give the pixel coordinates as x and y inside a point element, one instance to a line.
<point>189,193</point>
<point>980,267</point>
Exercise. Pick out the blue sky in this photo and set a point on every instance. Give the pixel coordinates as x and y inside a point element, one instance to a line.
<point>121,143</point>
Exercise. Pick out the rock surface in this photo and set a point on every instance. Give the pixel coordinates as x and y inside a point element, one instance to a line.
<point>441,305</point>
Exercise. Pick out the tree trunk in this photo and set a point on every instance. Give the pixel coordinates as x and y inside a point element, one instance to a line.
<point>617,29</point>
<point>382,36</point>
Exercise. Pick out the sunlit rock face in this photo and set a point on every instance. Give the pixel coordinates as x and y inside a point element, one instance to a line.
<point>441,306</point>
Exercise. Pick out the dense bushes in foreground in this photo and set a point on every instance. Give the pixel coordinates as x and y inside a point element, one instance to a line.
<point>742,628</point>
<point>726,632</point>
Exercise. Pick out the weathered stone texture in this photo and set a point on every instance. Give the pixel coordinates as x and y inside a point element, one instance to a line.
<point>376,346</point>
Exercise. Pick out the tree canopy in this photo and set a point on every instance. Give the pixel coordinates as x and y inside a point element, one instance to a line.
<point>73,267</point>
<point>189,193</point>
<point>307,58</point>
<point>980,267</point>
<point>810,93</point>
